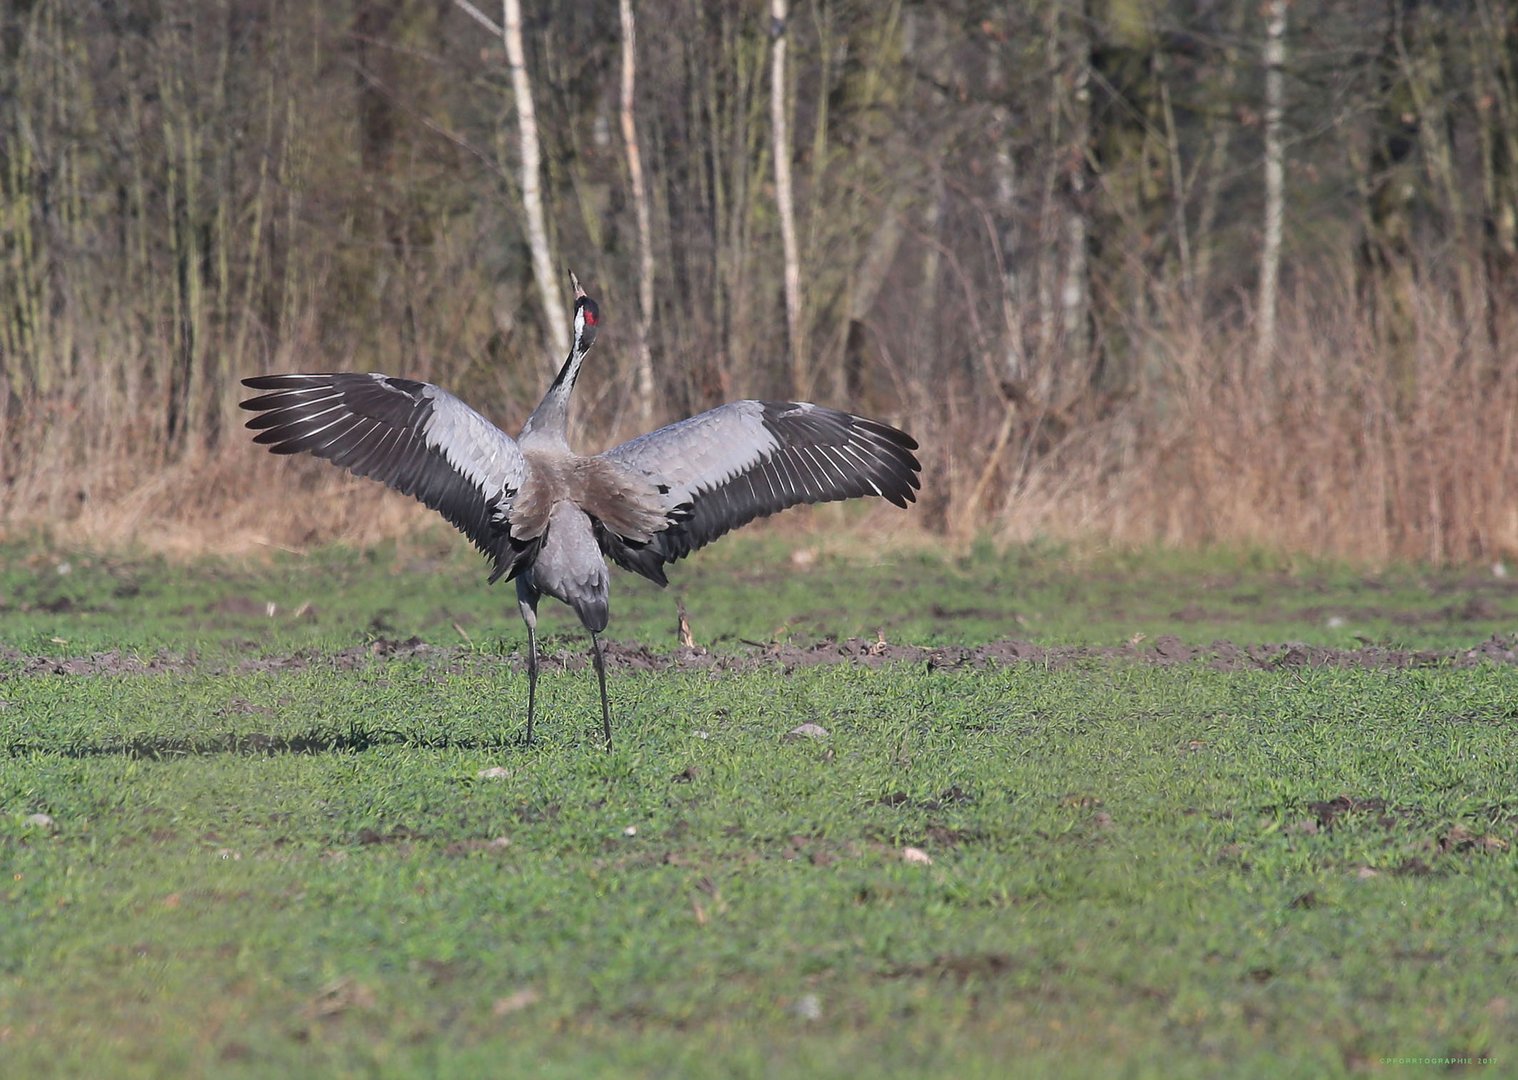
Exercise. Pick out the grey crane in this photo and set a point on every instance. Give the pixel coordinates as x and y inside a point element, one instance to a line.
<point>549,517</point>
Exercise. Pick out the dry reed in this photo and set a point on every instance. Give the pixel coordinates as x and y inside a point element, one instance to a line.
<point>1333,450</point>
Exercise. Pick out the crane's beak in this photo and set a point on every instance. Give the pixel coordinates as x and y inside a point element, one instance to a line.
<point>579,292</point>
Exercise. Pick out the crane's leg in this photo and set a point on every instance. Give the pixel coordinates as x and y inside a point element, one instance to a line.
<point>595,644</point>
<point>527,604</point>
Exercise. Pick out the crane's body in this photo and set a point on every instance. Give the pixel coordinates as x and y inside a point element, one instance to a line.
<point>549,518</point>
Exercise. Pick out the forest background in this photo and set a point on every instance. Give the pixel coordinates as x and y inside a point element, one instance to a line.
<point>1139,270</point>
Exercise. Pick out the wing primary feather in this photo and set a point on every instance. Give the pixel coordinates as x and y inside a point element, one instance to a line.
<point>350,445</point>
<point>378,456</point>
<point>290,413</point>
<point>749,459</point>
<point>375,425</point>
<point>307,436</point>
<point>824,483</point>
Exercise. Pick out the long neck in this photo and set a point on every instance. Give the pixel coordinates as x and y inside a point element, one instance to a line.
<point>551,418</point>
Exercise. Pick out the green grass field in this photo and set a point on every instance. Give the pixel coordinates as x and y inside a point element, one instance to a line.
<point>285,840</point>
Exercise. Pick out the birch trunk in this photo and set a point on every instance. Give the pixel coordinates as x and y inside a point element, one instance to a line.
<point>645,362</point>
<point>1275,180</point>
<point>800,375</point>
<point>1075,293</point>
<point>557,324</point>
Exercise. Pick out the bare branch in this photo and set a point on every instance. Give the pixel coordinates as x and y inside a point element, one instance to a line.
<point>480,17</point>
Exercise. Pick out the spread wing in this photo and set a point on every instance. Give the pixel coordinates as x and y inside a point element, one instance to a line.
<point>413,436</point>
<point>741,461</point>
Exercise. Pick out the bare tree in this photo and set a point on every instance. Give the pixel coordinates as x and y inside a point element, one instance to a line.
<point>1275,179</point>
<point>1218,128</point>
<point>645,363</point>
<point>549,287</point>
<point>1075,292</point>
<point>785,200</point>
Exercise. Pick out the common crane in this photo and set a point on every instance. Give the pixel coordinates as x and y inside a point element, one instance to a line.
<point>549,517</point>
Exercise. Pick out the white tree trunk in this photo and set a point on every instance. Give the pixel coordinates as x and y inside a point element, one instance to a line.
<point>645,362</point>
<point>800,375</point>
<point>1275,180</point>
<point>1075,293</point>
<point>1004,169</point>
<point>549,288</point>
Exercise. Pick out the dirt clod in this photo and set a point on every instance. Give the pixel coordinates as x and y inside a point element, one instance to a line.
<point>514,1002</point>
<point>338,997</point>
<point>1327,813</point>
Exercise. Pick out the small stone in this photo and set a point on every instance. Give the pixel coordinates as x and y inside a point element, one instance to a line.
<point>1335,622</point>
<point>916,856</point>
<point>808,1007</point>
<point>806,731</point>
<point>495,772</point>
<point>41,821</point>
<point>631,830</point>
<point>701,734</point>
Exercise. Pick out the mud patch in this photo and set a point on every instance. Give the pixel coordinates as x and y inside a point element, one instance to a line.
<point>150,748</point>
<point>963,968</point>
<point>784,656</point>
<point>1327,813</point>
<point>1163,651</point>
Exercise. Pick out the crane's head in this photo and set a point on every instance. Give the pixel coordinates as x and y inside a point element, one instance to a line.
<point>587,317</point>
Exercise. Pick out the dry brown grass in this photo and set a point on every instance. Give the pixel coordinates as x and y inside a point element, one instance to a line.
<point>1342,448</point>
<point>1336,450</point>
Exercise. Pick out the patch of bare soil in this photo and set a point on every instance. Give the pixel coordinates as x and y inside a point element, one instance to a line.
<point>958,968</point>
<point>785,656</point>
<point>1164,651</point>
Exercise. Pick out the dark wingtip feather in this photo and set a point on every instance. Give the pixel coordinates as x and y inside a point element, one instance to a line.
<point>374,426</point>
<point>272,382</point>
